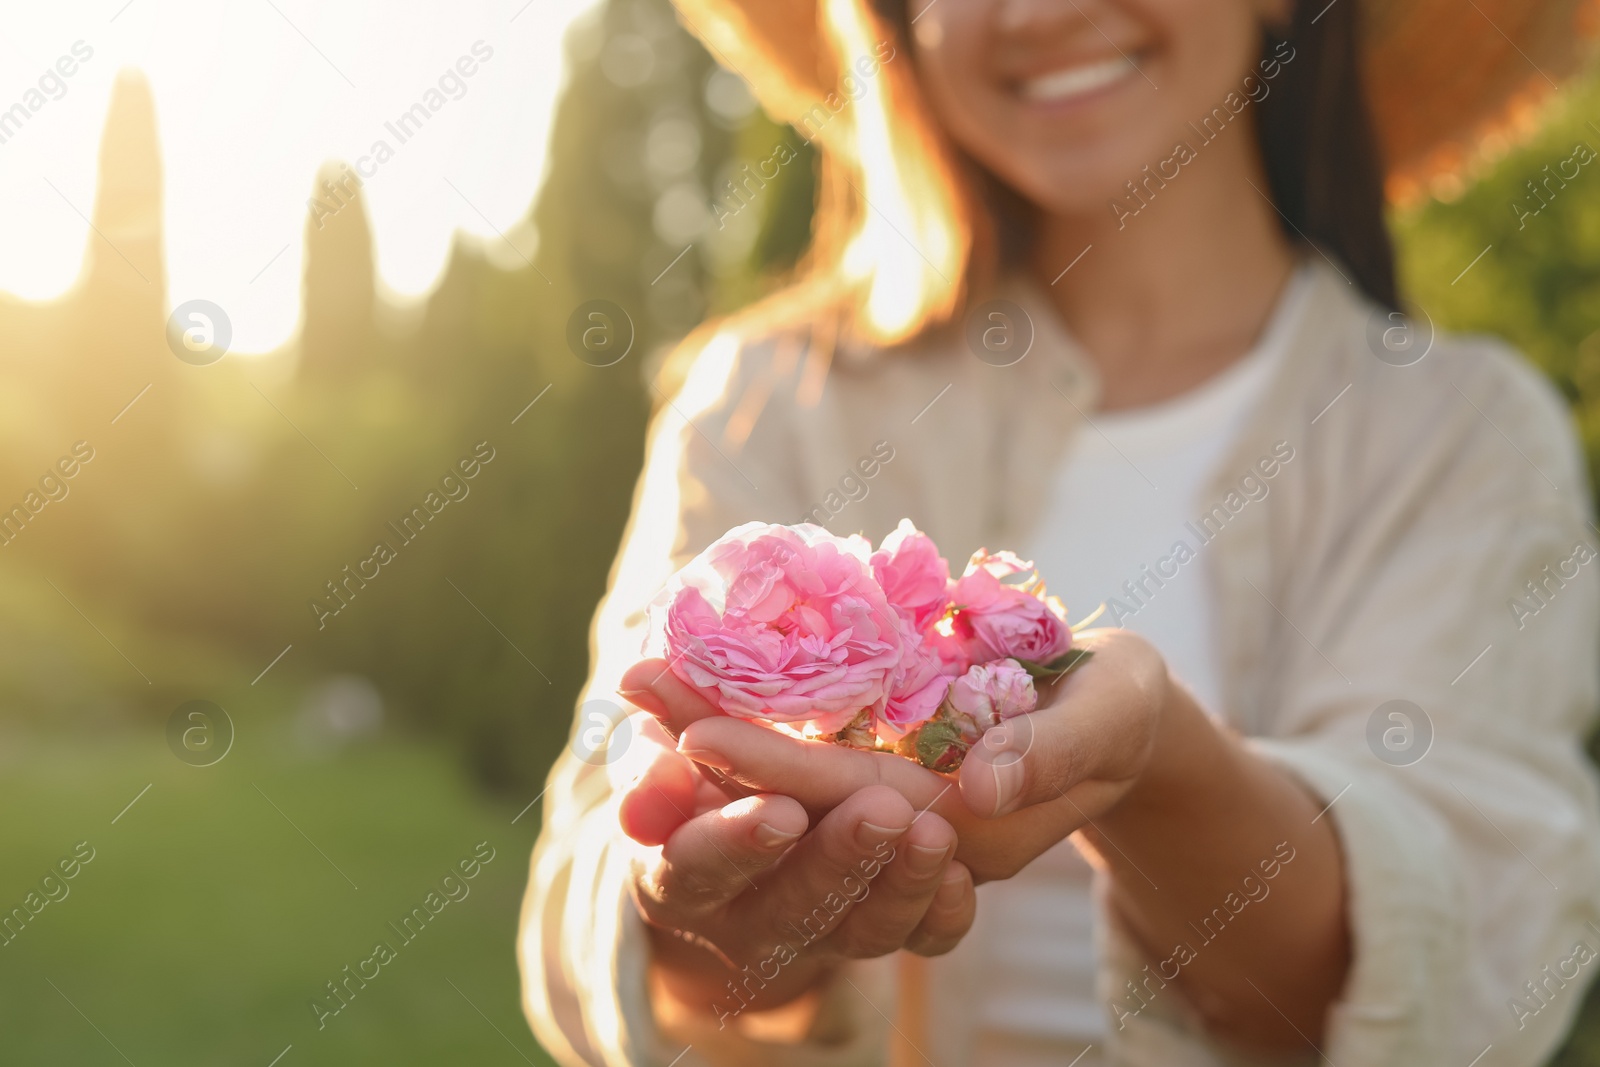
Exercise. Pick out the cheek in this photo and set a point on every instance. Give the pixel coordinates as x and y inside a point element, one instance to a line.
<point>1213,45</point>
<point>951,62</point>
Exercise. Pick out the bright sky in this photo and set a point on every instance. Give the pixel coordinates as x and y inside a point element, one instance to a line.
<point>251,97</point>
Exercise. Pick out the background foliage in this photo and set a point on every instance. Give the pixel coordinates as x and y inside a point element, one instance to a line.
<point>421,718</point>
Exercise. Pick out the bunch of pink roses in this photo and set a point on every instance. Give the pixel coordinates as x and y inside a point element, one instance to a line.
<point>883,650</point>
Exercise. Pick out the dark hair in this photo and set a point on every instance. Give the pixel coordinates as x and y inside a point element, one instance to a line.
<point>1317,144</point>
<point>1320,149</point>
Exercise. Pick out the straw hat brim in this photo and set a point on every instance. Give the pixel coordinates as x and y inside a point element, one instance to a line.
<point>1448,81</point>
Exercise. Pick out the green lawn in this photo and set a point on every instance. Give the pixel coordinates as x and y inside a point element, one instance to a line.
<point>206,923</point>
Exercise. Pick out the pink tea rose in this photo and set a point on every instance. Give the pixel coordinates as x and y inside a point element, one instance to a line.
<point>993,692</point>
<point>949,647</point>
<point>916,690</point>
<point>786,624</point>
<point>913,575</point>
<point>995,619</point>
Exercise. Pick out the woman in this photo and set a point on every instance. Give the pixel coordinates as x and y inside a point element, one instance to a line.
<point>1106,282</point>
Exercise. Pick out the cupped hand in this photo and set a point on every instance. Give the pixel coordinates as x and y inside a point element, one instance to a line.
<point>1029,782</point>
<point>753,891</point>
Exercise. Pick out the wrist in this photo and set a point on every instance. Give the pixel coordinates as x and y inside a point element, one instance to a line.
<point>702,981</point>
<point>688,1014</point>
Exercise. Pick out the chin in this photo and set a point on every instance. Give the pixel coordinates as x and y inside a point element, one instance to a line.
<point>1079,185</point>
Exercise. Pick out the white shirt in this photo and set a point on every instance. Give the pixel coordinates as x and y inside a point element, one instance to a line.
<point>1127,493</point>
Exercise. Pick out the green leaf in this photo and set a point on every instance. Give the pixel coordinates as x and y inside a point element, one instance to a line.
<point>1063,664</point>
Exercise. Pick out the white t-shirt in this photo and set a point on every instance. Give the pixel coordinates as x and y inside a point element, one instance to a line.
<point>1126,493</point>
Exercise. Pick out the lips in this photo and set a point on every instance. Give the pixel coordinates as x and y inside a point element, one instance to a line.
<point>1067,83</point>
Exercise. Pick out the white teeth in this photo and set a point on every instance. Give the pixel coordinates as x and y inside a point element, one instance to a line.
<point>1076,81</point>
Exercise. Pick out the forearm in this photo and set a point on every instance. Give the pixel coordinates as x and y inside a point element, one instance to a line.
<point>1226,872</point>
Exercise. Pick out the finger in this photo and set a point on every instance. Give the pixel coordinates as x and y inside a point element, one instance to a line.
<point>949,915</point>
<point>892,905</point>
<point>820,878</point>
<point>819,775</point>
<point>652,686</point>
<point>662,799</point>
<point>714,858</point>
<point>1012,762</point>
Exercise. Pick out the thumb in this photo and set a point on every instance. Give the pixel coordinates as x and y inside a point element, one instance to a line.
<point>651,684</point>
<point>1028,759</point>
<point>1093,728</point>
<point>1092,737</point>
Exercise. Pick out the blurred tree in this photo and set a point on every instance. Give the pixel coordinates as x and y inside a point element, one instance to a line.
<point>336,331</point>
<point>616,220</point>
<point>1534,219</point>
<point>126,270</point>
<point>232,502</point>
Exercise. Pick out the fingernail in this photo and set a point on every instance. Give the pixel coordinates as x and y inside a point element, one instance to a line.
<point>1007,771</point>
<point>923,861</point>
<point>872,835</point>
<point>707,757</point>
<point>769,836</point>
<point>949,892</point>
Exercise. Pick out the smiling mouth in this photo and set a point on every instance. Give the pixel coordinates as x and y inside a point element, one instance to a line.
<point>1072,82</point>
